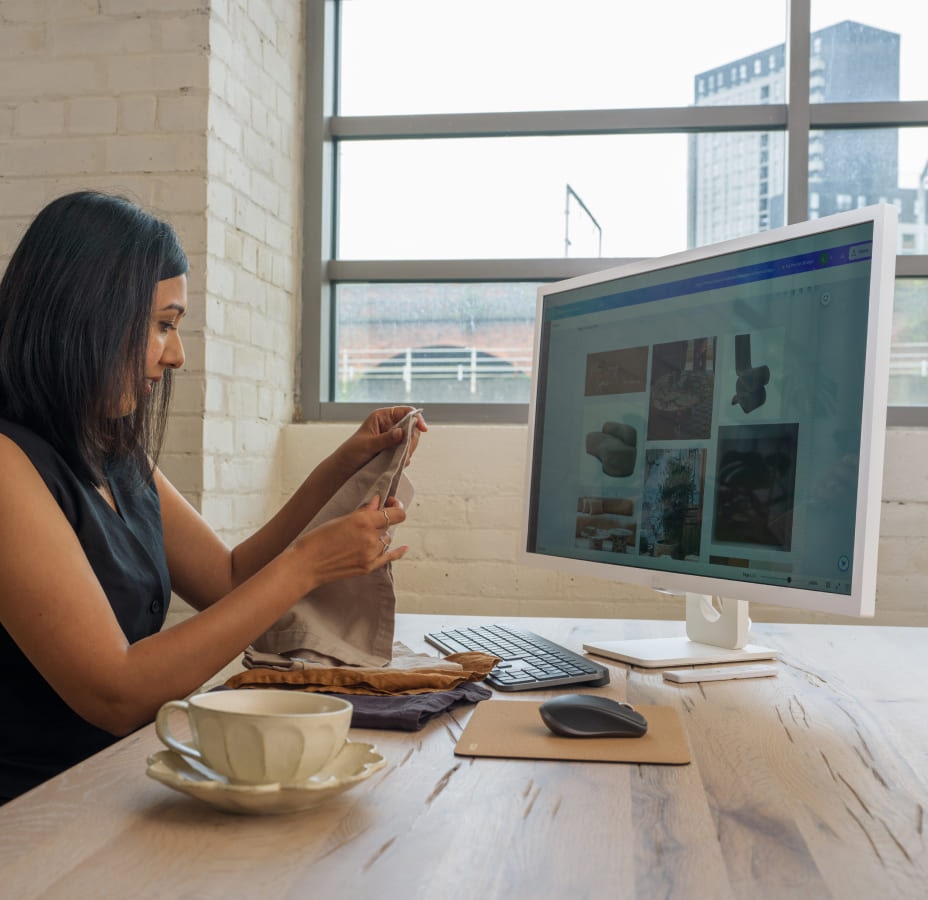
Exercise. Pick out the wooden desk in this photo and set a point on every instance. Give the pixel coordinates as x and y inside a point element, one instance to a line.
<point>811,784</point>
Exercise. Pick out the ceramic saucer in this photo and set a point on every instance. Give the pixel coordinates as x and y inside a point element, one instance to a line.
<point>354,763</point>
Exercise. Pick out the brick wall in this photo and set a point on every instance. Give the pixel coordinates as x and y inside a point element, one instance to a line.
<point>252,220</point>
<point>96,95</point>
<point>464,526</point>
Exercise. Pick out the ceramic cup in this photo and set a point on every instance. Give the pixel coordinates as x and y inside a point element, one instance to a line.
<point>259,736</point>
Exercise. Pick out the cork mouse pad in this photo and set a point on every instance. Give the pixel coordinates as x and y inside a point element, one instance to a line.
<point>513,729</point>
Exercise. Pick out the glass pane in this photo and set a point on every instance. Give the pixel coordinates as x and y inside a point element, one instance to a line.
<point>591,196</point>
<point>908,364</point>
<point>472,343</point>
<point>424,56</point>
<point>866,51</point>
<point>434,343</point>
<point>737,183</point>
<point>849,168</point>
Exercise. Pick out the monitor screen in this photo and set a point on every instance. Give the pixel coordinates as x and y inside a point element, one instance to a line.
<point>712,422</point>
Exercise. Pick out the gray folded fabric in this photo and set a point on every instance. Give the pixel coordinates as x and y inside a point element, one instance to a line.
<point>405,712</point>
<point>410,712</point>
<point>351,621</point>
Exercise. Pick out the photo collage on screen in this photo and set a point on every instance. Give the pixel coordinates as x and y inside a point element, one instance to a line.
<point>686,454</point>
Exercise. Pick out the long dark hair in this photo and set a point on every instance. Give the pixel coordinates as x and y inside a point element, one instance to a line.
<point>75,311</point>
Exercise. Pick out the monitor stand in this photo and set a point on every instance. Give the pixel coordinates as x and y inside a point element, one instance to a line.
<point>716,632</point>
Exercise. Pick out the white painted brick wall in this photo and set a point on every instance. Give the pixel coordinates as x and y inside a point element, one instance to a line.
<point>254,135</point>
<point>464,532</point>
<point>113,96</point>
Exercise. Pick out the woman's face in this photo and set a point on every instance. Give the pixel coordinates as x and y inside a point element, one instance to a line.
<point>165,350</point>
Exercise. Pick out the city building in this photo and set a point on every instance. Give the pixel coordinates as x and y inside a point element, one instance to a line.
<point>737,179</point>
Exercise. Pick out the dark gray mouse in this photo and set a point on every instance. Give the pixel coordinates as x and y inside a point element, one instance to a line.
<point>589,715</point>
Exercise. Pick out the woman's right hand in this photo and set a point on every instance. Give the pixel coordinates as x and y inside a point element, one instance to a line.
<point>351,545</point>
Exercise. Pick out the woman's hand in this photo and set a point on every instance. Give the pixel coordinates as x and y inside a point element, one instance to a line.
<point>379,431</point>
<point>351,545</point>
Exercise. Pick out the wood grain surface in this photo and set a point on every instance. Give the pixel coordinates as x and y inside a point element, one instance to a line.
<point>811,784</point>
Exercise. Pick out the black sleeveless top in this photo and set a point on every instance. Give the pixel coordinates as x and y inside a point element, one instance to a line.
<point>40,735</point>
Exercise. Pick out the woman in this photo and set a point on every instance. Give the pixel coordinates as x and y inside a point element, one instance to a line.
<point>93,537</point>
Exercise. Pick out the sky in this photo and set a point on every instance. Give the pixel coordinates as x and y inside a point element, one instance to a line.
<point>483,198</point>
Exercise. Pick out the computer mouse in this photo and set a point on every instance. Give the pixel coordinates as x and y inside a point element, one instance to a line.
<point>589,715</point>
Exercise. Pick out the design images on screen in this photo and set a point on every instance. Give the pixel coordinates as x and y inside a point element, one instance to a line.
<point>711,424</point>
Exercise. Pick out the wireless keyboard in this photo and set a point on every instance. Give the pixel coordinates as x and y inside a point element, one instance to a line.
<point>527,660</point>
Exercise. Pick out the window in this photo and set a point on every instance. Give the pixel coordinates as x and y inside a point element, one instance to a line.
<point>455,161</point>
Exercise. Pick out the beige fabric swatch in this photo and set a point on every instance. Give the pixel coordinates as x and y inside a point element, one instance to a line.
<point>407,673</point>
<point>351,621</point>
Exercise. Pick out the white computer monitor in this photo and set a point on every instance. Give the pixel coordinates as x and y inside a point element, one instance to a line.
<point>711,423</point>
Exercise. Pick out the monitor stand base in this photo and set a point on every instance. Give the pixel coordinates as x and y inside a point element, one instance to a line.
<point>656,653</point>
<point>717,632</point>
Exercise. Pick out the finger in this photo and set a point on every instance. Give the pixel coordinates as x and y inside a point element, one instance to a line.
<point>393,415</point>
<point>384,554</point>
<point>398,413</point>
<point>382,430</point>
<point>390,556</point>
<point>389,437</point>
<point>392,514</point>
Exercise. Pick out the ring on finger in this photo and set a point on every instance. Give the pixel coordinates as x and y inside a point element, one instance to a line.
<point>387,517</point>
<point>385,540</point>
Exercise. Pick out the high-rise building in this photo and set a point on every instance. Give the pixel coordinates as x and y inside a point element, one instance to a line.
<point>737,179</point>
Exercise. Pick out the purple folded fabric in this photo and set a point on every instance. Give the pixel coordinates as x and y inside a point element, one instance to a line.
<point>410,712</point>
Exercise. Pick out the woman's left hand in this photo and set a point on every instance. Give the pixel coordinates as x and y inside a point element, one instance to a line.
<point>380,431</point>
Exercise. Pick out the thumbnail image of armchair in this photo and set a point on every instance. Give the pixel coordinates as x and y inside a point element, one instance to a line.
<point>750,388</point>
<point>615,445</point>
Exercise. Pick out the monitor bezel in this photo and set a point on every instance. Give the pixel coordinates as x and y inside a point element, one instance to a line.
<point>860,602</point>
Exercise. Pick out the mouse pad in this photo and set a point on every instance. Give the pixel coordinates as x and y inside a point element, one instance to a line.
<point>514,729</point>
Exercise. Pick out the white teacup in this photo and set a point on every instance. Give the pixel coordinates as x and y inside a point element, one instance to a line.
<point>260,736</point>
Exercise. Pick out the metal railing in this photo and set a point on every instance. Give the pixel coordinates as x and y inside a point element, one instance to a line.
<point>909,358</point>
<point>462,364</point>
<point>470,364</point>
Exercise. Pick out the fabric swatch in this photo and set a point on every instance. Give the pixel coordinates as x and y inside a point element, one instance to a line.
<point>350,621</point>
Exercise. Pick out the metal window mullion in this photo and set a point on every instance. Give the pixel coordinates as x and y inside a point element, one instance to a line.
<point>448,270</point>
<point>798,47</point>
<point>663,120</point>
<point>884,114</point>
<point>914,266</point>
<point>318,206</point>
<point>660,120</point>
<point>457,413</point>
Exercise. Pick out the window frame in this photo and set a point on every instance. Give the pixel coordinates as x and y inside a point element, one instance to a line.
<point>324,128</point>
